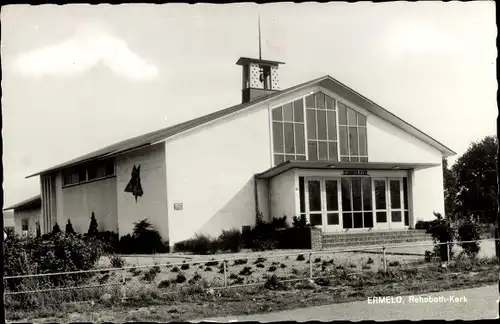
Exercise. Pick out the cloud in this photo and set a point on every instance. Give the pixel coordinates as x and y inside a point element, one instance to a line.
<point>88,47</point>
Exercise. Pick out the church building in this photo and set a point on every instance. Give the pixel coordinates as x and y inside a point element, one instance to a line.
<point>318,149</point>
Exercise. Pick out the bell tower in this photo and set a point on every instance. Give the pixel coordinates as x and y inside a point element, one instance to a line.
<point>260,77</point>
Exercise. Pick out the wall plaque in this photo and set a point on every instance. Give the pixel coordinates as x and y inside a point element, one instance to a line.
<point>355,172</point>
<point>178,206</point>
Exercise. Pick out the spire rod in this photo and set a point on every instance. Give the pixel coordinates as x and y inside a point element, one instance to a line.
<point>260,47</point>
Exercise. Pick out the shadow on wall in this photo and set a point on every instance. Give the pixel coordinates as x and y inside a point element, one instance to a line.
<point>239,211</point>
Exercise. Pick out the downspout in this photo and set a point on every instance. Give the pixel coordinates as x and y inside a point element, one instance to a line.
<point>257,210</point>
<point>268,186</point>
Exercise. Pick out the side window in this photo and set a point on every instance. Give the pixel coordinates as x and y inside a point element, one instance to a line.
<point>352,135</point>
<point>326,128</point>
<point>288,132</point>
<point>321,118</point>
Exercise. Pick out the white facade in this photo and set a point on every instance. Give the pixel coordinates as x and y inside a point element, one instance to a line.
<point>282,196</point>
<point>152,205</point>
<point>116,210</point>
<point>210,171</point>
<point>8,219</point>
<point>25,221</point>
<point>387,143</point>
<point>78,202</point>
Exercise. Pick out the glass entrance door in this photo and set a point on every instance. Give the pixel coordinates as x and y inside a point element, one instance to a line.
<point>355,203</point>
<point>314,202</point>
<point>357,211</point>
<point>331,214</point>
<point>396,203</point>
<point>380,199</point>
<point>323,203</point>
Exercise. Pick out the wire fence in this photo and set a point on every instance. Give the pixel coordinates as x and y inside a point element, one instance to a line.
<point>219,272</point>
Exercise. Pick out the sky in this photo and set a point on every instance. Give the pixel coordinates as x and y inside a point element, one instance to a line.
<point>80,77</point>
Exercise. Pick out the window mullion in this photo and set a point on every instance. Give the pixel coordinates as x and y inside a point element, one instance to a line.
<point>284,142</point>
<point>306,130</point>
<point>388,200</point>
<point>352,203</point>
<point>317,131</point>
<point>327,132</point>
<point>348,134</point>
<point>401,195</point>
<point>338,128</point>
<point>374,203</point>
<point>362,205</point>
<point>357,130</point>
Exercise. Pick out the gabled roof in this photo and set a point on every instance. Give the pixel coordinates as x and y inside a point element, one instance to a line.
<point>162,134</point>
<point>33,202</point>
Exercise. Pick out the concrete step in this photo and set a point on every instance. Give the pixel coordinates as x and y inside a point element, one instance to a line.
<point>375,238</point>
<point>347,245</point>
<point>355,236</point>
<point>334,240</point>
<point>374,234</point>
<point>371,235</point>
<point>368,234</point>
<point>372,239</point>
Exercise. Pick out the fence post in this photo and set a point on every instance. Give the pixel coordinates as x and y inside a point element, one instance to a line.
<point>124,294</point>
<point>384,259</point>
<point>310,266</point>
<point>225,273</point>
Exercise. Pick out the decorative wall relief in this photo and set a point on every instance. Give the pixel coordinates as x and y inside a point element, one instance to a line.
<point>134,185</point>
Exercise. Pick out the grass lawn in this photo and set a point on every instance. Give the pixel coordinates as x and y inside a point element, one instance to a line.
<point>184,302</point>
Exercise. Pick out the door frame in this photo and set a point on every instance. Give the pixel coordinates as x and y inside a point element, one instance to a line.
<point>306,199</point>
<point>326,226</point>
<point>393,224</point>
<point>387,224</point>
<point>324,211</point>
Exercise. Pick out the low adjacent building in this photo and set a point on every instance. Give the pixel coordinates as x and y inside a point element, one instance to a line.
<point>26,216</point>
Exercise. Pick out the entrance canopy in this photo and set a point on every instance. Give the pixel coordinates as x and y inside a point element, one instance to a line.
<point>324,165</point>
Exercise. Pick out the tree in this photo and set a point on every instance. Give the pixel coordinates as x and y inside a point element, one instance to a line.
<point>146,238</point>
<point>69,228</point>
<point>38,231</point>
<point>56,229</point>
<point>442,232</point>
<point>469,231</point>
<point>476,180</point>
<point>93,230</point>
<point>450,191</point>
